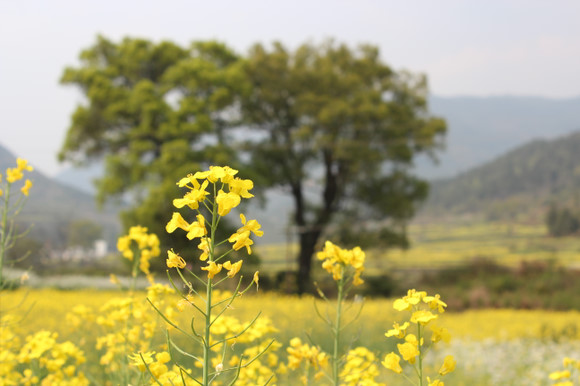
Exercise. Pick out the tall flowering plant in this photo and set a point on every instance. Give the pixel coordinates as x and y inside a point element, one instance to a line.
<point>211,195</point>
<point>139,247</point>
<point>346,267</point>
<point>9,208</point>
<point>423,311</point>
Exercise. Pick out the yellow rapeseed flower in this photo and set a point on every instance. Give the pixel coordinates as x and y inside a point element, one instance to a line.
<point>193,197</point>
<point>397,330</point>
<point>448,365</point>
<point>13,175</point>
<point>197,228</point>
<point>392,362</point>
<point>423,317</point>
<point>177,221</point>
<point>256,279</point>
<point>26,187</point>
<point>148,245</point>
<point>226,202</point>
<point>408,351</point>
<point>212,269</point>
<point>234,268</point>
<point>140,359</point>
<point>440,333</point>
<point>252,225</point>
<point>407,302</point>
<point>434,382</point>
<point>174,260</point>
<point>558,375</point>
<point>241,240</point>
<point>204,245</point>
<point>241,187</point>
<point>435,303</point>
<point>22,165</point>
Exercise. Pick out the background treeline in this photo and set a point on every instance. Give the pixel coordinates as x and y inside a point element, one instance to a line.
<point>562,221</point>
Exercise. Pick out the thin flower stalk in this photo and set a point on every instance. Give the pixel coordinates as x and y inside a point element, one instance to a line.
<point>11,210</point>
<point>346,267</point>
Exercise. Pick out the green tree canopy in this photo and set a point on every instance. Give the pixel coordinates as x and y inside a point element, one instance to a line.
<point>341,120</point>
<point>155,112</point>
<point>327,116</point>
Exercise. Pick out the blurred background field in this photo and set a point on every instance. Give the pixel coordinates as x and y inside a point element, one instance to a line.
<point>476,264</point>
<point>453,243</point>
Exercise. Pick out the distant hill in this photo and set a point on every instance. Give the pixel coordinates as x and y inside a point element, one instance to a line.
<point>483,128</point>
<point>52,205</point>
<point>81,178</point>
<point>524,181</point>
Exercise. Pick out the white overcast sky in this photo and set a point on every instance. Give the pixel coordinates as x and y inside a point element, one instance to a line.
<point>470,47</point>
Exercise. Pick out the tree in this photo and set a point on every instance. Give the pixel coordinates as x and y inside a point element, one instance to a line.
<point>154,112</point>
<point>330,116</point>
<point>339,119</point>
<point>83,233</point>
<point>561,221</point>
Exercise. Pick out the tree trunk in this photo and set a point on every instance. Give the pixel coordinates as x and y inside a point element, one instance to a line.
<point>309,234</point>
<point>308,240</point>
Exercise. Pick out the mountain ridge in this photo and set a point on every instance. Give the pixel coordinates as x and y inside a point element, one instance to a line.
<point>483,128</point>
<point>532,176</point>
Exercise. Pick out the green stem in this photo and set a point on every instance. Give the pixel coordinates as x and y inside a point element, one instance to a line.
<point>135,269</point>
<point>4,234</point>
<point>208,304</point>
<point>206,343</point>
<point>420,354</point>
<point>337,327</point>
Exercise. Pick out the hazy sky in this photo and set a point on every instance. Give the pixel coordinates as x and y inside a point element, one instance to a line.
<point>480,48</point>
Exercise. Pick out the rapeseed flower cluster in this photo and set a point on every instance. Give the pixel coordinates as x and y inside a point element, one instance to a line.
<point>228,191</point>
<point>564,377</point>
<point>16,174</point>
<point>40,359</point>
<point>360,368</point>
<point>8,209</point>
<point>264,368</point>
<point>140,247</point>
<point>127,324</point>
<point>157,365</point>
<point>123,325</point>
<point>413,348</point>
<point>314,359</point>
<point>337,260</point>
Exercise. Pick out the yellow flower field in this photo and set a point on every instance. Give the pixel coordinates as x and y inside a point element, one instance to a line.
<point>479,336</point>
